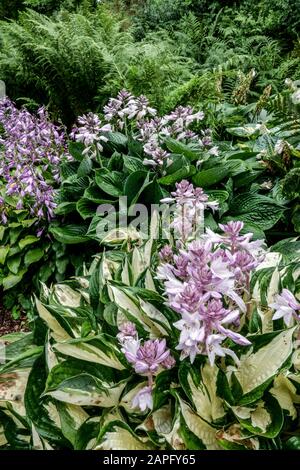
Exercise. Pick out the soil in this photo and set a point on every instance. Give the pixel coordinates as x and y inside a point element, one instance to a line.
<point>9,325</point>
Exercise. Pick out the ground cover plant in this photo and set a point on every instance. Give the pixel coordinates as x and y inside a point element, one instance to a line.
<point>149,225</point>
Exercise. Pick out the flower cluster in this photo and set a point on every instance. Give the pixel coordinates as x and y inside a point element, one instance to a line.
<point>127,112</point>
<point>33,148</point>
<point>189,203</point>
<point>207,283</point>
<point>287,307</point>
<point>147,359</point>
<point>176,125</point>
<point>91,133</point>
<point>126,107</point>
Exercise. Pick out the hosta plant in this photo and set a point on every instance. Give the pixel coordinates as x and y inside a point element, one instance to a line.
<point>31,150</point>
<point>161,346</point>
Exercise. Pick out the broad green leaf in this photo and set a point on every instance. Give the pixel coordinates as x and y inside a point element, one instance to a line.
<point>69,234</point>
<point>207,178</point>
<point>28,240</point>
<point>13,279</point>
<point>178,147</point>
<point>33,256</point>
<point>4,250</point>
<point>13,263</point>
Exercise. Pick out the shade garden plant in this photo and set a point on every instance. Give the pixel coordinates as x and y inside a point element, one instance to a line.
<point>185,340</point>
<point>149,225</point>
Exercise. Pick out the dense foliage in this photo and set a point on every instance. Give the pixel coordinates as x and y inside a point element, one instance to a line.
<point>149,224</point>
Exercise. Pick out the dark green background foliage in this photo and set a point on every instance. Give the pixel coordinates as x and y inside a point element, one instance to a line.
<point>72,55</point>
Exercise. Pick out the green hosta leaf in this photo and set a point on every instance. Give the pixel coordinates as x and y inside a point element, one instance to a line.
<point>4,250</point>
<point>178,175</point>
<point>13,279</point>
<point>133,164</point>
<point>76,149</point>
<point>86,208</point>
<point>255,209</point>
<point>293,443</point>
<point>117,138</point>
<point>217,195</point>
<point>135,184</point>
<point>110,182</point>
<point>207,178</point>
<point>2,231</point>
<point>256,369</point>
<point>118,436</point>
<point>96,349</point>
<point>86,436</point>
<point>33,256</point>
<point>182,149</point>
<point>29,240</point>
<point>70,234</point>
<point>196,433</point>
<point>94,194</point>
<point>85,166</point>
<point>65,208</point>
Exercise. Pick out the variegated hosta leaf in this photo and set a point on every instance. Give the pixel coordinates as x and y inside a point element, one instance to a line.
<point>204,394</point>
<point>97,349</point>
<point>286,394</point>
<point>86,390</point>
<point>3,439</point>
<point>196,433</point>
<point>233,438</point>
<point>66,296</point>
<point>118,436</point>
<point>53,322</point>
<point>264,418</point>
<point>71,418</point>
<point>12,389</point>
<point>133,311</point>
<point>86,436</point>
<point>256,369</point>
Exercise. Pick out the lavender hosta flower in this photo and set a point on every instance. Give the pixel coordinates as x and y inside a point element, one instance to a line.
<point>205,283</point>
<point>149,356</point>
<point>287,307</point>
<point>143,399</point>
<point>139,108</point>
<point>91,133</point>
<point>127,331</point>
<point>33,146</point>
<point>166,254</point>
<point>190,204</point>
<point>214,348</point>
